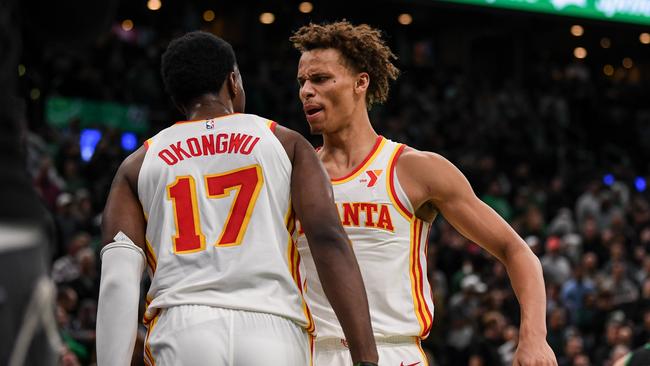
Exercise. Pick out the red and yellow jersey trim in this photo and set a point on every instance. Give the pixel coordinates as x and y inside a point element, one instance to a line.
<point>294,265</point>
<point>271,125</point>
<point>425,360</point>
<point>149,315</point>
<point>312,339</point>
<point>147,143</point>
<point>376,149</point>
<point>390,182</point>
<point>152,262</point>
<point>148,355</point>
<point>422,312</point>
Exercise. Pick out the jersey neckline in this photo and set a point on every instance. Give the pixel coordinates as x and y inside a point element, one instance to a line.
<point>209,119</point>
<point>379,142</point>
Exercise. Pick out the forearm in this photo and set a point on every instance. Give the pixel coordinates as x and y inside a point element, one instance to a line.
<point>527,281</point>
<point>341,279</point>
<point>117,313</point>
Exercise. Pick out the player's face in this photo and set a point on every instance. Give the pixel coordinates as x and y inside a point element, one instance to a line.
<point>327,90</point>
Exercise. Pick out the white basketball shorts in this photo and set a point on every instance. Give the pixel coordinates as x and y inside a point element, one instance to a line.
<point>209,336</point>
<point>393,351</point>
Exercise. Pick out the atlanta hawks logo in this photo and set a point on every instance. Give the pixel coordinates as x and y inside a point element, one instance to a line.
<point>373,175</point>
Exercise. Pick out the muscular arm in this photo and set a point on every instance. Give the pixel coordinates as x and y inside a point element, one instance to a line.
<point>123,211</point>
<point>122,266</point>
<point>336,264</point>
<point>447,189</point>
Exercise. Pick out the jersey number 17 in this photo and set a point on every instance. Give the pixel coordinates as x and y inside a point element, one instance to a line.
<point>189,238</point>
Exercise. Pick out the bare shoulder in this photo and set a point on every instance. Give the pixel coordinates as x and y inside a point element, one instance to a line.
<point>130,167</point>
<point>291,140</point>
<point>285,134</point>
<point>414,158</point>
<point>429,173</point>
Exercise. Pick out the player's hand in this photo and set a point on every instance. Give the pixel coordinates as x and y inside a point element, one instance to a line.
<point>534,353</point>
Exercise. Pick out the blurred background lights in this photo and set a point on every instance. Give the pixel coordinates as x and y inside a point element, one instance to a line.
<point>208,15</point>
<point>577,30</point>
<point>305,7</point>
<point>88,140</point>
<point>21,70</point>
<point>35,93</point>
<point>267,18</point>
<point>628,63</point>
<point>580,52</point>
<point>127,25</point>
<point>640,184</point>
<point>608,179</point>
<point>644,38</point>
<point>129,141</point>
<point>154,4</point>
<point>608,70</point>
<point>405,19</point>
<point>605,42</point>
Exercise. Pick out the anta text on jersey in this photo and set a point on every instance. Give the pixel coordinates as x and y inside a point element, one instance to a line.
<point>376,215</point>
<point>222,143</point>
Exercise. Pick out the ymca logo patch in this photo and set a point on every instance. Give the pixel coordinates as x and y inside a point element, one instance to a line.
<point>373,175</point>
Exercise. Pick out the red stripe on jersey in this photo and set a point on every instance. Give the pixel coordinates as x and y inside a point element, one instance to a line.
<point>391,182</point>
<point>358,167</point>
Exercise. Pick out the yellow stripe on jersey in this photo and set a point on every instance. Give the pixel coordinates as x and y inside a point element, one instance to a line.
<point>424,355</point>
<point>271,125</point>
<point>148,143</point>
<point>147,347</point>
<point>422,277</point>
<point>417,277</point>
<point>311,349</point>
<point>364,165</point>
<point>413,276</point>
<point>151,257</point>
<point>294,265</point>
<point>390,186</point>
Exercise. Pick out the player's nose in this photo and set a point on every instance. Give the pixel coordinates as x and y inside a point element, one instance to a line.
<point>307,91</point>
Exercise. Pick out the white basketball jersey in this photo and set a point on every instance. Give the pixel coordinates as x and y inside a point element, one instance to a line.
<point>220,228</point>
<point>390,244</point>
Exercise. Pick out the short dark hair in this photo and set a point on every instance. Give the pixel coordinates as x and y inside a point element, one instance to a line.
<point>195,64</point>
<point>362,48</point>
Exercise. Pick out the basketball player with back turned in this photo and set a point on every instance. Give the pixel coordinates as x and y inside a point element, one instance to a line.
<point>208,207</point>
<point>388,194</point>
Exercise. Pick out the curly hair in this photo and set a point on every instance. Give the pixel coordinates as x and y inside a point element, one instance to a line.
<point>362,48</point>
<point>194,64</point>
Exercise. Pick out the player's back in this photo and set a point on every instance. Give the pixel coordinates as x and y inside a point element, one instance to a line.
<point>216,194</point>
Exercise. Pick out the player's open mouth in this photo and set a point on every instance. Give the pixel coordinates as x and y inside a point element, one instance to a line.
<point>311,111</point>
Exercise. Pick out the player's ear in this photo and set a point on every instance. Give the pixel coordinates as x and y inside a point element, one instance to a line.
<point>362,83</point>
<point>233,90</point>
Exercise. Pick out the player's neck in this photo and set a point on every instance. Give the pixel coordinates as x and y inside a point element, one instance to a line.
<point>358,132</point>
<point>209,106</point>
<point>351,144</point>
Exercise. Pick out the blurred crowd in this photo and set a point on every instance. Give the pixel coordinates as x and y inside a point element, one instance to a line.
<point>535,148</point>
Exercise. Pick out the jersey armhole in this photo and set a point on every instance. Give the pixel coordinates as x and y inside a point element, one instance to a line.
<point>392,191</point>
<point>147,143</point>
<point>271,125</point>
